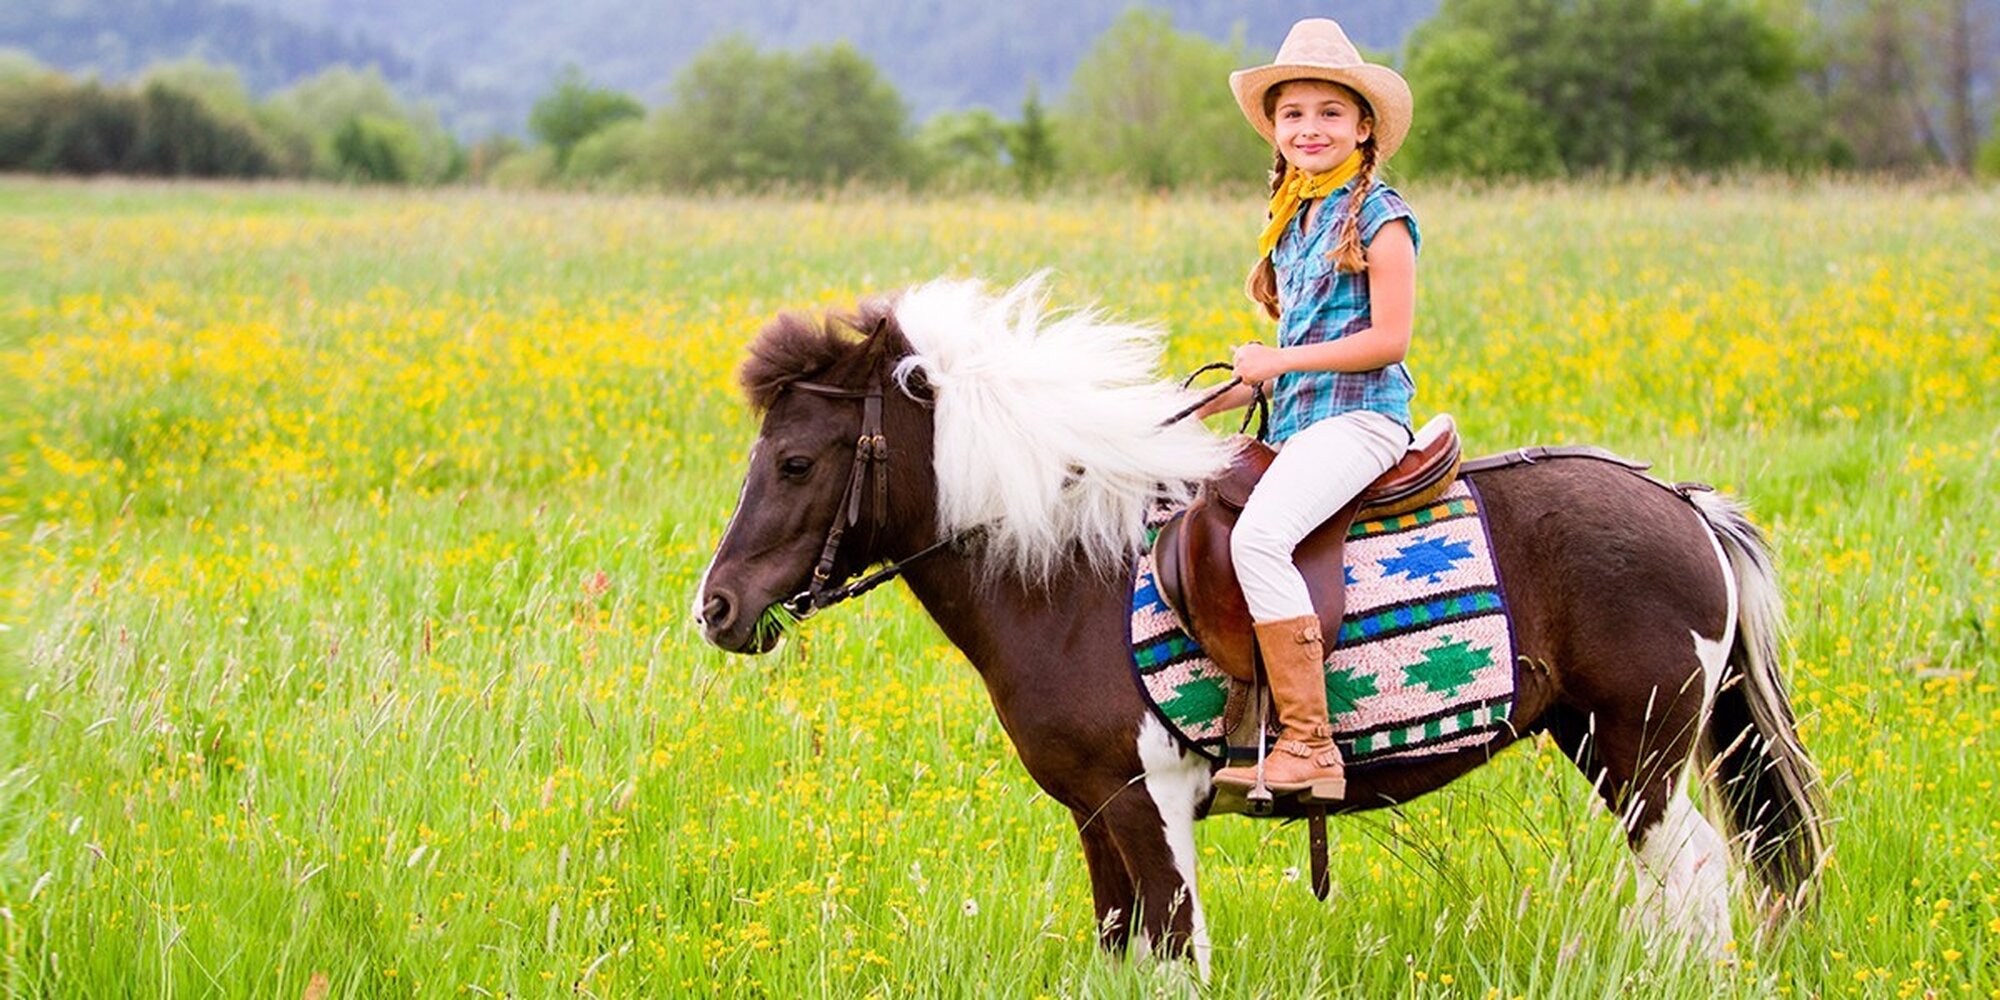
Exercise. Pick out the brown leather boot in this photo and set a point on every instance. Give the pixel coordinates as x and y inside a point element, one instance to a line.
<point>1305,757</point>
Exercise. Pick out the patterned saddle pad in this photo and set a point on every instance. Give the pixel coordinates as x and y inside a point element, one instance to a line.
<point>1425,659</point>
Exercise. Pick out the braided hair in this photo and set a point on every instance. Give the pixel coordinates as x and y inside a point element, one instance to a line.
<point>1348,254</point>
<point>1262,284</point>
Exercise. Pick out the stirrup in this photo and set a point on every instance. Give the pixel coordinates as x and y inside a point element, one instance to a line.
<point>1260,794</point>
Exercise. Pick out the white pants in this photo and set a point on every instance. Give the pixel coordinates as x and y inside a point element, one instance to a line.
<point>1317,471</point>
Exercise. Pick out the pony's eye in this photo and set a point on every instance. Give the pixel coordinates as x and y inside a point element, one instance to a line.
<point>796,467</point>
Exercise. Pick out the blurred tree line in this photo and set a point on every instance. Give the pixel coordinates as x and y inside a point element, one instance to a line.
<point>190,119</point>
<point>1567,87</point>
<point>1506,88</point>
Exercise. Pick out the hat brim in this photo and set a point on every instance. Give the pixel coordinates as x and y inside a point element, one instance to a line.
<point>1385,90</point>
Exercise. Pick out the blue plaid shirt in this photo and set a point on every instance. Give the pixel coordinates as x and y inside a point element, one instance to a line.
<point>1317,302</point>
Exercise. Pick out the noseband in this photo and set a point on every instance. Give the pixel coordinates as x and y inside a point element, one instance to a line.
<point>871,460</point>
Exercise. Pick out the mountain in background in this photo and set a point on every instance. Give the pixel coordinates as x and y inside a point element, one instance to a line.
<point>118,39</point>
<point>483,63</point>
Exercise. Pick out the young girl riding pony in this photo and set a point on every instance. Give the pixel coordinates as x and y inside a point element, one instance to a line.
<point>1338,273</point>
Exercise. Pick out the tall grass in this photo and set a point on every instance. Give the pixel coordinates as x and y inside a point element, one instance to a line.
<point>349,539</point>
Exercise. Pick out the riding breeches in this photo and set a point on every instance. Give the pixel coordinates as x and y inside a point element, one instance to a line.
<point>1317,471</point>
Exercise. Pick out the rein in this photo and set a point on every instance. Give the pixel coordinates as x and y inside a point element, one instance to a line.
<point>1260,406</point>
<point>871,460</point>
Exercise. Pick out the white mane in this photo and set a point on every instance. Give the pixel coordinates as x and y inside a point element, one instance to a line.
<point>1047,426</point>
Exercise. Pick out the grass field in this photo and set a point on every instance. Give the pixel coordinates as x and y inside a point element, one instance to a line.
<point>349,538</point>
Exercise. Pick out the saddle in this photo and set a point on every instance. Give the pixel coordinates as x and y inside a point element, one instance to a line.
<point>1197,577</point>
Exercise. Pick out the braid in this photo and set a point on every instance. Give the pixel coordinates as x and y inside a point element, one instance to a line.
<point>1262,284</point>
<point>1348,254</point>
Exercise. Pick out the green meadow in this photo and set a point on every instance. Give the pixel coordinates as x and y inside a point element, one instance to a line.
<point>348,539</point>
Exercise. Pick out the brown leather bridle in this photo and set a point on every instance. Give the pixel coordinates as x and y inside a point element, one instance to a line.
<point>871,460</point>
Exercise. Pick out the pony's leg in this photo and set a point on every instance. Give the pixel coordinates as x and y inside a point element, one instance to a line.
<point>1110,887</point>
<point>1637,752</point>
<point>1682,861</point>
<point>1683,868</point>
<point>1163,902</point>
<point>1151,821</point>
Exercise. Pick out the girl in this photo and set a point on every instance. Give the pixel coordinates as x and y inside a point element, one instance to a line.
<point>1338,273</point>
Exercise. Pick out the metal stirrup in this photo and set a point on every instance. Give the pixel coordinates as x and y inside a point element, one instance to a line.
<point>1259,793</point>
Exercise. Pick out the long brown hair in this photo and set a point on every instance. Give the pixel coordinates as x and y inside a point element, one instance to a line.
<point>1348,255</point>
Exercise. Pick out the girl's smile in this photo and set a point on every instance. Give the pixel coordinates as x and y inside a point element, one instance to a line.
<point>1318,124</point>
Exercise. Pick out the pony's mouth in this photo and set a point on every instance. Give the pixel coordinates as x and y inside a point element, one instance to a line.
<point>725,625</point>
<point>770,629</point>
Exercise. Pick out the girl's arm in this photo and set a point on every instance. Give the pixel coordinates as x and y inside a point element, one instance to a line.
<point>1392,299</point>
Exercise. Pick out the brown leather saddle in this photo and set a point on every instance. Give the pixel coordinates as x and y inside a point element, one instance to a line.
<point>1198,579</point>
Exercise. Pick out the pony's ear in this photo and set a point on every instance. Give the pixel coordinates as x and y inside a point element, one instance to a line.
<point>917,386</point>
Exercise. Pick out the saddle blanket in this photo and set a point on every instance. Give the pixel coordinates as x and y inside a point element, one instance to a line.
<point>1424,663</point>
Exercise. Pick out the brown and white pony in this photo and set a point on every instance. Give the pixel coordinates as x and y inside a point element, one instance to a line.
<point>1646,622</point>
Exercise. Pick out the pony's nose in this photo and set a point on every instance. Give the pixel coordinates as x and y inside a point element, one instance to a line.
<point>719,611</point>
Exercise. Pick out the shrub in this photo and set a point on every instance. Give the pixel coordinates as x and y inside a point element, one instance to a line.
<point>1148,104</point>
<point>743,117</point>
<point>85,129</point>
<point>963,149</point>
<point>527,169</point>
<point>1989,154</point>
<point>372,148</point>
<point>616,154</point>
<point>329,106</point>
<point>574,110</point>
<point>180,135</point>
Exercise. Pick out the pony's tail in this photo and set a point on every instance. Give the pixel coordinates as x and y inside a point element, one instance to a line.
<point>1755,762</point>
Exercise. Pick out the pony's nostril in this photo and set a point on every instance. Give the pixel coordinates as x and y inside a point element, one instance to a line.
<point>718,612</point>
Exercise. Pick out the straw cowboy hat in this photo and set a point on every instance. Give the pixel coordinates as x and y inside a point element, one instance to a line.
<point>1317,49</point>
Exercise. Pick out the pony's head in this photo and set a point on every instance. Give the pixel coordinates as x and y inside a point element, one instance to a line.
<point>811,379</point>
<point>1039,432</point>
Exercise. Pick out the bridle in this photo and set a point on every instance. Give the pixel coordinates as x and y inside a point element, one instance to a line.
<point>871,461</point>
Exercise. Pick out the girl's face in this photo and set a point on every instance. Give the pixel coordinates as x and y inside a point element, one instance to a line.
<point>1318,124</point>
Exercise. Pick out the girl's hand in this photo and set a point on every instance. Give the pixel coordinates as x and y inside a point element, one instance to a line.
<point>1256,363</point>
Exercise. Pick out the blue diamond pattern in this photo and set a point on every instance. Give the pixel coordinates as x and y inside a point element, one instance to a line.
<point>1427,560</point>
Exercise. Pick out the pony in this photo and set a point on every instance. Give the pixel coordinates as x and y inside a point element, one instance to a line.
<point>1002,459</point>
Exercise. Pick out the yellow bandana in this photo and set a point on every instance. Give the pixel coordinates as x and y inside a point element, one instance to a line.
<point>1298,188</point>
